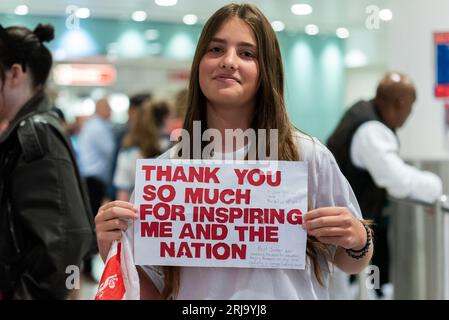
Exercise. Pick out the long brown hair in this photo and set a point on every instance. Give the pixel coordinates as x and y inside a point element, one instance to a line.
<point>144,134</point>
<point>270,106</point>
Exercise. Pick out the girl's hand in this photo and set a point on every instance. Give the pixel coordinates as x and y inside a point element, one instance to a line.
<point>337,226</point>
<point>110,222</point>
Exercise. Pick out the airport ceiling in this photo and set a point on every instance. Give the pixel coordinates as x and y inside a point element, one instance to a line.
<point>327,14</point>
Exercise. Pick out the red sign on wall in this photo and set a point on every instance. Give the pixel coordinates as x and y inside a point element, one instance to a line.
<point>441,40</point>
<point>84,74</point>
<point>179,75</point>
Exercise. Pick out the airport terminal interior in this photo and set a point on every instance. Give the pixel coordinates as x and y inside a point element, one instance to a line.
<point>334,53</point>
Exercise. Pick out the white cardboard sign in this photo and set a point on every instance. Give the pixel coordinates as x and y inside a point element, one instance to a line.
<point>200,213</point>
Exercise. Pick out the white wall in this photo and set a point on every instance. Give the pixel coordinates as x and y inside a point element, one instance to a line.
<point>151,74</point>
<point>368,65</point>
<point>411,50</point>
<point>361,83</point>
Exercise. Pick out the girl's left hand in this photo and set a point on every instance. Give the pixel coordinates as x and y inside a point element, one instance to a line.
<point>337,226</point>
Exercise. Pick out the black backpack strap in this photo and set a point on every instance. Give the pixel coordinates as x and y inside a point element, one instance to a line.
<point>29,140</point>
<point>51,118</point>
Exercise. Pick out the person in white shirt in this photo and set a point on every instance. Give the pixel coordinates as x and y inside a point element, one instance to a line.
<point>237,82</point>
<point>143,140</point>
<point>366,148</point>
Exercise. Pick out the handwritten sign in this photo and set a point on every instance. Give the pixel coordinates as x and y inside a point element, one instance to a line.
<point>204,214</point>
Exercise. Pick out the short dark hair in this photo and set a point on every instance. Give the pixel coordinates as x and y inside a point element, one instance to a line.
<point>161,111</point>
<point>138,100</point>
<point>21,45</point>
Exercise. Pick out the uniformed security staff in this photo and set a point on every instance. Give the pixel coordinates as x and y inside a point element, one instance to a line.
<point>366,148</point>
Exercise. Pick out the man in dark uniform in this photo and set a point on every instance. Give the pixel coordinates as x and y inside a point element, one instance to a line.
<point>366,148</point>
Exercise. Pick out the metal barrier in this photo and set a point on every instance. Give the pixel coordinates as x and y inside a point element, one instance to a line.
<point>419,249</point>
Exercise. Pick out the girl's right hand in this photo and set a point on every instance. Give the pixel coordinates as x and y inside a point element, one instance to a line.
<point>110,221</point>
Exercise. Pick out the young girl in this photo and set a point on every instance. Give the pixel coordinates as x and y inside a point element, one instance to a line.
<point>237,82</point>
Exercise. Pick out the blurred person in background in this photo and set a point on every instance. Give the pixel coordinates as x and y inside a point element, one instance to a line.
<point>141,141</point>
<point>366,148</point>
<point>96,145</point>
<point>45,219</point>
<point>135,104</point>
<point>179,109</point>
<point>73,130</point>
<point>161,115</point>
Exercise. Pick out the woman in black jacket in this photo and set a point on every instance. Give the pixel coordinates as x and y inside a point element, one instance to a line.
<point>45,225</point>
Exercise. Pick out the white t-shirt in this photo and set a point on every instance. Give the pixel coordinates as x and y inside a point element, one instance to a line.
<point>327,188</point>
<point>125,173</point>
<point>375,148</point>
